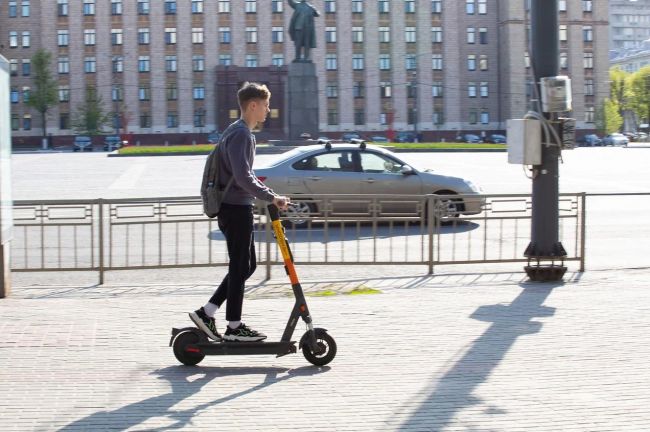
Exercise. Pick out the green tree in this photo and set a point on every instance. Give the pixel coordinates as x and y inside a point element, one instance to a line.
<point>43,94</point>
<point>608,117</point>
<point>640,94</point>
<point>620,82</point>
<point>90,117</point>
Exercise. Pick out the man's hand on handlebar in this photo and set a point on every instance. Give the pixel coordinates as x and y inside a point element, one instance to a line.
<point>281,202</point>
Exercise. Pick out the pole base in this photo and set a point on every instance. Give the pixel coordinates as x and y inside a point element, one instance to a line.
<point>545,273</point>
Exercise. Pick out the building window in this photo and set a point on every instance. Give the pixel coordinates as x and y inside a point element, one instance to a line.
<point>89,37</point>
<point>385,89</point>
<point>13,39</point>
<point>483,62</point>
<point>197,6</point>
<point>332,117</point>
<point>438,118</point>
<point>587,5</point>
<point>332,90</point>
<point>89,7</point>
<point>330,62</point>
<point>62,37</point>
<point>277,6</point>
<point>470,7</point>
<point>198,63</point>
<point>63,65</point>
<point>15,95</point>
<point>482,7</point>
<point>64,121</point>
<point>144,93</point>
<point>410,34</point>
<point>384,34</point>
<point>411,62</point>
<point>62,7</point>
<point>144,64</point>
<point>330,6</point>
<point>224,35</point>
<point>25,8</point>
<point>473,117</point>
<point>471,90</point>
<point>13,67</point>
<point>357,6</point>
<point>436,61</point>
<point>277,60</point>
<point>384,61</point>
<point>170,35</point>
<point>251,34</point>
<point>225,59</point>
<point>484,89</point>
<point>145,120</point>
<point>13,9</point>
<point>143,7</point>
<point>251,60</point>
<point>117,94</point>
<point>198,92</point>
<point>330,34</point>
<point>587,34</point>
<point>172,91</point>
<point>90,65</point>
<point>357,89</point>
<point>199,117</point>
<point>116,7</point>
<point>170,63</point>
<point>589,87</point>
<point>561,5</point>
<point>118,64</point>
<point>409,6</point>
<point>563,33</point>
<point>116,37</point>
<point>172,119</point>
<point>197,35</point>
<point>224,6</point>
<point>27,67</point>
<point>485,117</point>
<point>588,60</point>
<point>170,7</point>
<point>526,60</point>
<point>359,117</point>
<point>26,39</point>
<point>482,36</point>
<point>471,62</point>
<point>144,36</point>
<point>251,6</point>
<point>26,91</point>
<point>436,89</point>
<point>436,34</point>
<point>436,6</point>
<point>27,122</point>
<point>564,60</point>
<point>277,34</point>
<point>383,6</point>
<point>471,35</point>
<point>411,116</point>
<point>15,122</point>
<point>357,34</point>
<point>589,114</point>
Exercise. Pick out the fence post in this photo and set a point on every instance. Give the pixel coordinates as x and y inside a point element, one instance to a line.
<point>429,221</point>
<point>583,230</point>
<point>101,241</point>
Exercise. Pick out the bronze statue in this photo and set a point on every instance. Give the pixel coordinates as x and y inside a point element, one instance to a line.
<point>301,28</point>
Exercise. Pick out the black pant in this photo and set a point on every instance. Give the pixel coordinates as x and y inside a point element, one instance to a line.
<point>236,224</point>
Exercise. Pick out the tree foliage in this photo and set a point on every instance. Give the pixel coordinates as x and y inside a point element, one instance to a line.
<point>608,117</point>
<point>43,94</point>
<point>640,94</point>
<point>90,118</point>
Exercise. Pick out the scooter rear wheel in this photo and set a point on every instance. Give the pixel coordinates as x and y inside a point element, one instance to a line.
<point>327,347</point>
<point>180,349</point>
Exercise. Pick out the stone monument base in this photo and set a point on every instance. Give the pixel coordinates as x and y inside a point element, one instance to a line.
<point>303,100</point>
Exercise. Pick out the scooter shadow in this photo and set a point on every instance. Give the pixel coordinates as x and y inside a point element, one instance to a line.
<point>186,381</point>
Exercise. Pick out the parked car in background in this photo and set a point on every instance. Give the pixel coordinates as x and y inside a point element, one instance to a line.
<point>470,138</point>
<point>82,143</point>
<point>379,139</point>
<point>404,137</point>
<point>112,142</point>
<point>361,169</point>
<point>496,139</point>
<point>213,137</point>
<point>348,136</point>
<point>590,140</point>
<point>615,139</point>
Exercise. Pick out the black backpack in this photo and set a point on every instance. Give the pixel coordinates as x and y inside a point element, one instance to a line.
<point>211,192</point>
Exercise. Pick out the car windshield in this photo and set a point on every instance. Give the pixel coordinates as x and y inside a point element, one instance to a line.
<point>282,157</point>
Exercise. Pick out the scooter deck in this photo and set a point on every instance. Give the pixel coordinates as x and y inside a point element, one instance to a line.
<point>206,347</point>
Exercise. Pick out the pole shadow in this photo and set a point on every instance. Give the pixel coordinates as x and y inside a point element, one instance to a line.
<point>182,387</point>
<point>453,392</point>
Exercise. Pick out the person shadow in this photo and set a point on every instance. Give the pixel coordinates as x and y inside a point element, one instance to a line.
<point>184,386</point>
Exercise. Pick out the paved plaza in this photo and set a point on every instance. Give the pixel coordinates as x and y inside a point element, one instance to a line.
<point>454,352</point>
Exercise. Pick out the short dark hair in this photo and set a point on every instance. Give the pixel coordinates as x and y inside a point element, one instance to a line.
<point>250,91</point>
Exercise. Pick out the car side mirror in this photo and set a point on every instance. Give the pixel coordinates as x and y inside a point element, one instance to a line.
<point>407,170</point>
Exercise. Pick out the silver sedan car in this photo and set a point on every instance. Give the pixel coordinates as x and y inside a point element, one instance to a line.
<point>361,169</point>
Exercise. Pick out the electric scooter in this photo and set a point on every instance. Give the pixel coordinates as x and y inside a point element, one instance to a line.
<point>191,344</point>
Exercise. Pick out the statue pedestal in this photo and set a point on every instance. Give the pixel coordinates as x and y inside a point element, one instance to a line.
<point>303,100</point>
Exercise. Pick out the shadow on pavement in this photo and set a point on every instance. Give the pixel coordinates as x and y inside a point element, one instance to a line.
<point>452,393</point>
<point>183,387</point>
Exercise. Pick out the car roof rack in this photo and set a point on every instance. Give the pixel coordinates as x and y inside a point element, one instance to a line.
<point>328,143</point>
<point>362,143</point>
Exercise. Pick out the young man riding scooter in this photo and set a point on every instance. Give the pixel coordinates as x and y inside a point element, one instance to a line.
<point>235,219</point>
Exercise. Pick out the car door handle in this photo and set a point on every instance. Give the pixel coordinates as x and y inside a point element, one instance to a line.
<point>370,180</point>
<point>314,178</point>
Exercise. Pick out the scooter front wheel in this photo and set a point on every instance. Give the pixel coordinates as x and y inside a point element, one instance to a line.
<point>183,351</point>
<point>326,347</point>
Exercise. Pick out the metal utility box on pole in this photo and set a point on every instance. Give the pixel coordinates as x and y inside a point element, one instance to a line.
<point>6,203</point>
<point>545,250</point>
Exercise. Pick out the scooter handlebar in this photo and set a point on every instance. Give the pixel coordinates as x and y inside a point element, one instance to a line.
<point>273,212</point>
